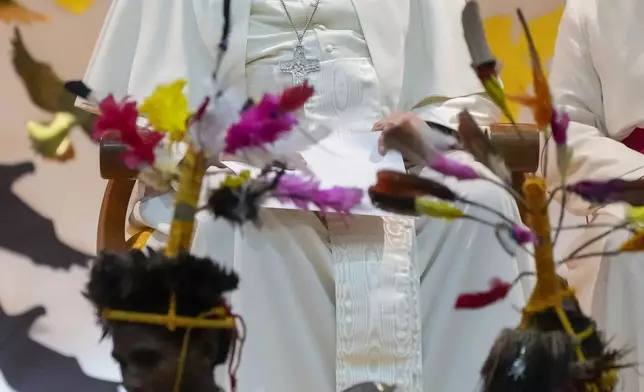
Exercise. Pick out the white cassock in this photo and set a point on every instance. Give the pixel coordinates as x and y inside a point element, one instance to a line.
<point>598,77</point>
<point>331,306</point>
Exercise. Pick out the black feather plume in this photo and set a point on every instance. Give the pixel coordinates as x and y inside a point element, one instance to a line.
<point>78,88</point>
<point>543,357</point>
<point>226,27</point>
<point>391,203</point>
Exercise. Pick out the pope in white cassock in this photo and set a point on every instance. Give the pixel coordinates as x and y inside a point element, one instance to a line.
<point>329,305</point>
<point>598,77</point>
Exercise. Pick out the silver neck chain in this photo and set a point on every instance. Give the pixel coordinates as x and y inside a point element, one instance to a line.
<point>300,37</point>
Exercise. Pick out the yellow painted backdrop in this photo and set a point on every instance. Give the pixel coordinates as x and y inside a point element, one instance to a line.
<point>511,47</point>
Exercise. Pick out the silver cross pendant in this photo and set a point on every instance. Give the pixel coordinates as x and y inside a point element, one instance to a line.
<point>300,67</point>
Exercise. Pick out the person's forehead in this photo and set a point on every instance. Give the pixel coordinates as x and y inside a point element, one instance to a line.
<point>133,336</point>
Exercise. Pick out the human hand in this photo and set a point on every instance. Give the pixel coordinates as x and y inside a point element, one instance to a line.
<point>398,122</point>
<point>402,131</point>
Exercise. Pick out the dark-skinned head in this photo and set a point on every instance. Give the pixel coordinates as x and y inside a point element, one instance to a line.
<point>148,354</point>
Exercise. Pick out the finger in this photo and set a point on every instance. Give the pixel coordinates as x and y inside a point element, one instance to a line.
<point>396,117</point>
<point>382,148</point>
<point>388,127</point>
<point>378,125</point>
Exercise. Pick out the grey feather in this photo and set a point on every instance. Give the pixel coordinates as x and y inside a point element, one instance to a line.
<point>478,143</point>
<point>475,35</point>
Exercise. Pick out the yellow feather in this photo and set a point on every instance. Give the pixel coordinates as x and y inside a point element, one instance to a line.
<point>494,90</point>
<point>167,109</point>
<point>635,243</point>
<point>636,215</point>
<point>52,140</point>
<point>75,6</point>
<point>234,181</point>
<point>437,209</point>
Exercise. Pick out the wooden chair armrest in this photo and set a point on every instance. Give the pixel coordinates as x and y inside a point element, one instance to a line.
<point>111,164</point>
<point>116,199</point>
<point>520,149</point>
<point>113,215</point>
<point>521,152</point>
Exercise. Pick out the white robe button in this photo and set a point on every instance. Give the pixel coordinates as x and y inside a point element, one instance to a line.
<point>330,48</point>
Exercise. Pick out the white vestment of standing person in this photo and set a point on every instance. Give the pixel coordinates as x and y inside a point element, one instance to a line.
<point>329,306</point>
<point>597,77</point>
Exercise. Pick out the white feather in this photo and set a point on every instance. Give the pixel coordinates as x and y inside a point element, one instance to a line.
<point>288,149</point>
<point>222,111</point>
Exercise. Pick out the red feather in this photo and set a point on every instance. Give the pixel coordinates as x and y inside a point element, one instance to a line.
<point>293,98</point>
<point>202,109</point>
<point>498,291</point>
<point>395,183</point>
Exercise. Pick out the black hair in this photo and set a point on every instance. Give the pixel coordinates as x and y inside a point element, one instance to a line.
<point>542,358</point>
<point>139,282</point>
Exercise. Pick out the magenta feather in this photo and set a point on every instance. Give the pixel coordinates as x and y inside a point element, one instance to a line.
<point>306,191</point>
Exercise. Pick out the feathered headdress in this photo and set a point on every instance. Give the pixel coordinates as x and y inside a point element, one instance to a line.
<point>175,274</point>
<point>555,347</point>
<point>153,132</point>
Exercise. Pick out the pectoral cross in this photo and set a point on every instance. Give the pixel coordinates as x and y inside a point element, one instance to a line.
<point>300,67</point>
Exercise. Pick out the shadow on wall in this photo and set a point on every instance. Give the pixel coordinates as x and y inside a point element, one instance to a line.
<point>21,354</point>
<point>24,231</point>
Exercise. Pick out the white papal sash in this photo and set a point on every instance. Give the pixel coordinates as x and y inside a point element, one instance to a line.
<point>377,302</point>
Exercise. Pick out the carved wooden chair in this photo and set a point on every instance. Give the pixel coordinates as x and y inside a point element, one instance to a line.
<point>521,154</point>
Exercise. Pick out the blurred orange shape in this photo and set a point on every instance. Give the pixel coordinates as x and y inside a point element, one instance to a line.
<point>11,11</point>
<point>635,243</point>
